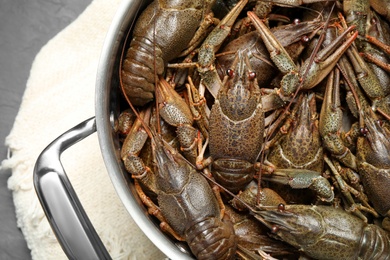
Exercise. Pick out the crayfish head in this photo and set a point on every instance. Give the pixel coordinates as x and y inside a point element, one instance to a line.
<point>240,94</point>
<point>374,145</point>
<point>322,232</point>
<point>302,145</point>
<point>173,171</point>
<point>297,225</point>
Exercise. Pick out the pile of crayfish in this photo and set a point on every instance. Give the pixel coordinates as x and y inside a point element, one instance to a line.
<point>260,130</point>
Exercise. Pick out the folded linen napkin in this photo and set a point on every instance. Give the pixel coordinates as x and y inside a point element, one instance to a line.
<point>60,94</point>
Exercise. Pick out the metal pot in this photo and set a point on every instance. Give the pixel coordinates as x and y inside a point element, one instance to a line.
<point>63,209</point>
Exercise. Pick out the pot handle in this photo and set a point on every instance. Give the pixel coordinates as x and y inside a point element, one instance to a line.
<point>63,209</point>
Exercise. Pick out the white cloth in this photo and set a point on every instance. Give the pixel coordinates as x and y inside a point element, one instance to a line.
<point>60,94</point>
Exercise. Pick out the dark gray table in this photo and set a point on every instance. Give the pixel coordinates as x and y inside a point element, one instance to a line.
<point>25,26</point>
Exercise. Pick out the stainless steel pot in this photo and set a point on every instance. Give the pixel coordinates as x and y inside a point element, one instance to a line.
<point>63,209</point>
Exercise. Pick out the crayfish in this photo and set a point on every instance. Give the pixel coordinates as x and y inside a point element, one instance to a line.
<point>254,137</point>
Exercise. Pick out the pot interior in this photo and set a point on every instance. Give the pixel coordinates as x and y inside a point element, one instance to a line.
<point>108,105</point>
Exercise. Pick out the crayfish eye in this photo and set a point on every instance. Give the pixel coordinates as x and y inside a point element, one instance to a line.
<point>296,21</point>
<point>305,39</point>
<point>274,229</point>
<point>230,73</point>
<point>364,131</point>
<point>251,75</point>
<point>281,207</point>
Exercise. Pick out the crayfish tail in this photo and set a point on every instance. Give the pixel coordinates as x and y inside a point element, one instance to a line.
<point>222,241</point>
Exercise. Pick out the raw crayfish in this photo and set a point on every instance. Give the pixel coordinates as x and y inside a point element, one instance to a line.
<point>236,129</point>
